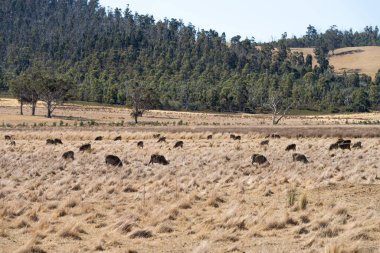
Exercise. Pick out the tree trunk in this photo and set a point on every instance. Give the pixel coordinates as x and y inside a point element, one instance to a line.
<point>136,117</point>
<point>274,122</point>
<point>21,107</point>
<point>49,109</point>
<point>34,104</point>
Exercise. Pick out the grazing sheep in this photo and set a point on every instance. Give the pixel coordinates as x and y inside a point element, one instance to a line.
<point>140,144</point>
<point>340,140</point>
<point>12,143</point>
<point>237,138</point>
<point>291,147</point>
<point>68,155</point>
<point>264,143</point>
<point>299,158</point>
<point>344,145</point>
<point>156,136</point>
<point>160,159</point>
<point>178,144</point>
<point>209,137</point>
<point>259,159</point>
<point>57,141</point>
<point>357,145</point>
<point>99,138</point>
<point>162,139</point>
<point>85,147</point>
<point>276,136</point>
<point>117,138</point>
<point>333,146</point>
<point>114,161</point>
<point>8,137</point>
<point>50,142</point>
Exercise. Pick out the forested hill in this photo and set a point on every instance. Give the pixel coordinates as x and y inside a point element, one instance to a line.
<point>102,52</point>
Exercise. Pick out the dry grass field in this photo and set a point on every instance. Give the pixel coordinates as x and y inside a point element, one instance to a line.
<point>364,60</point>
<point>209,198</point>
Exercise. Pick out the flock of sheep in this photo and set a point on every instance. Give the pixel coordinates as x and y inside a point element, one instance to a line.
<point>257,159</point>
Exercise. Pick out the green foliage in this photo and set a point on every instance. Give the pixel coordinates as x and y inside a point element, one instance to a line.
<point>79,50</point>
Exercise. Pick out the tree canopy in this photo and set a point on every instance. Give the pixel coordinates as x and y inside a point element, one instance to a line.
<point>99,51</point>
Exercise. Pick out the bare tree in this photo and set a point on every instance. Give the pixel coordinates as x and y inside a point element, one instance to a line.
<point>279,107</point>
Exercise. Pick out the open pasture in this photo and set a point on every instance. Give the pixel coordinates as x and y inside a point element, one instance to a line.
<point>209,198</point>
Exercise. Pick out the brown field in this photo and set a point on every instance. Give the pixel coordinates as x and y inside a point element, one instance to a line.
<point>210,198</point>
<point>364,60</point>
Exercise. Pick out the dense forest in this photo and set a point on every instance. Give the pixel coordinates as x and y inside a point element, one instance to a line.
<point>102,52</point>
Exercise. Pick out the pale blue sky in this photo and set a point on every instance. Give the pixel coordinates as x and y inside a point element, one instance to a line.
<point>263,19</point>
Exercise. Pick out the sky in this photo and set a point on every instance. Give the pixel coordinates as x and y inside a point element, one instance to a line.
<point>265,20</point>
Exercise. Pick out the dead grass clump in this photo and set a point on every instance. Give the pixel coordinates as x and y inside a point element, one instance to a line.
<point>341,249</point>
<point>30,249</point>
<point>76,187</point>
<point>72,231</point>
<point>185,204</point>
<point>341,211</point>
<point>173,214</point>
<point>275,225</point>
<point>33,216</point>
<point>303,202</point>
<point>22,224</point>
<point>129,189</point>
<point>215,201</point>
<point>164,228</point>
<point>61,212</point>
<point>329,232</point>
<point>71,203</point>
<point>52,206</point>
<point>304,218</point>
<point>124,227</point>
<point>141,234</point>
<point>99,248</point>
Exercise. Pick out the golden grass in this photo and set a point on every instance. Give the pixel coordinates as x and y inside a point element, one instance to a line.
<point>364,60</point>
<point>200,202</point>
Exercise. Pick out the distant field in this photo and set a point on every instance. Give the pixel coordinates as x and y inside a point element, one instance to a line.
<point>352,59</point>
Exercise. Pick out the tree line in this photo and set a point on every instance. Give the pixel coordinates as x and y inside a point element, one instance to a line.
<point>93,54</point>
<point>333,38</point>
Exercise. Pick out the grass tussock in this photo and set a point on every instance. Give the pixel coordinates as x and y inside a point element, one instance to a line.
<point>72,231</point>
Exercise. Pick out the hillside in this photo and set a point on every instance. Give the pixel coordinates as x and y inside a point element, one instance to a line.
<point>364,60</point>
